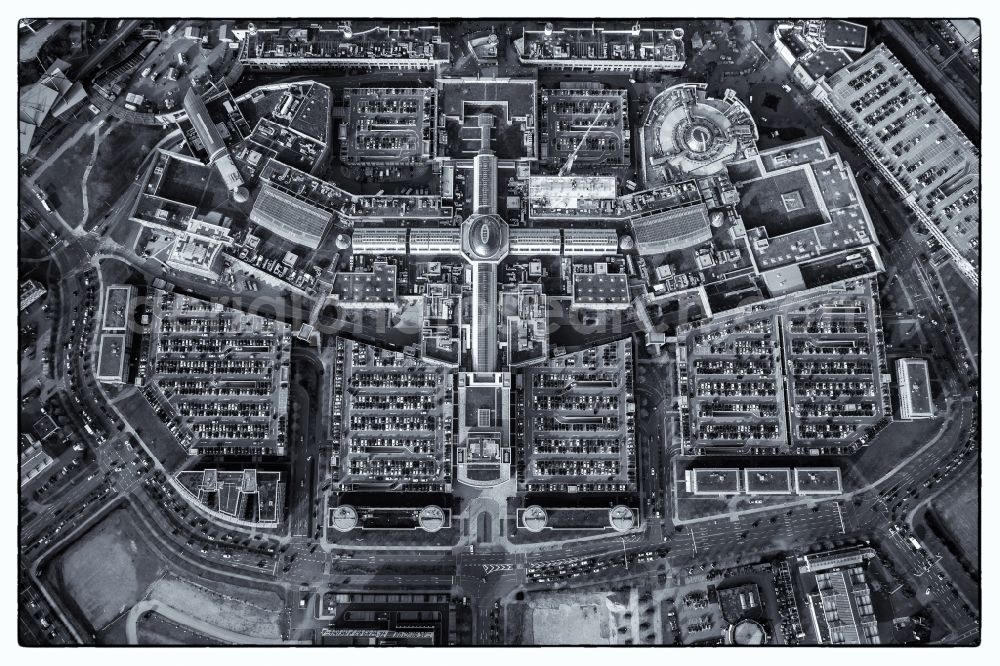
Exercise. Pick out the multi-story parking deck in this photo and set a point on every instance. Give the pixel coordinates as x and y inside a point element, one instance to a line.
<point>222,372</point>
<point>578,423</point>
<point>808,372</point>
<point>393,417</point>
<point>389,125</point>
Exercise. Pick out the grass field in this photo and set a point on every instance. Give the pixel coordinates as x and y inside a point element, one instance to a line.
<point>63,180</point>
<point>108,569</point>
<point>958,508</point>
<point>888,448</point>
<point>160,440</point>
<point>118,160</point>
<point>966,304</point>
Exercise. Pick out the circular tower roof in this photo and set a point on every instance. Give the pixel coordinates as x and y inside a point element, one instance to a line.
<point>748,632</point>
<point>535,518</point>
<point>622,518</point>
<point>344,518</point>
<point>431,518</point>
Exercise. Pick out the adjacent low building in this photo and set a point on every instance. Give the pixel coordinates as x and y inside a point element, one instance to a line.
<point>758,481</point>
<point>372,44</point>
<point>29,292</point>
<point>115,341</point>
<point>915,399</point>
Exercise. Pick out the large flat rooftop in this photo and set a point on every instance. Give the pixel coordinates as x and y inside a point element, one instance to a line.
<point>223,373</point>
<point>577,415</point>
<point>913,137</point>
<point>392,421</point>
<point>800,204</point>
<point>290,217</point>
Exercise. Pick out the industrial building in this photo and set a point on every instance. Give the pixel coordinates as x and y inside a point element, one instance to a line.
<point>290,217</point>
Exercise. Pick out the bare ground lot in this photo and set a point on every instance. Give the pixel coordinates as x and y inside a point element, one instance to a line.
<point>154,629</point>
<point>255,614</point>
<point>571,622</point>
<point>107,570</point>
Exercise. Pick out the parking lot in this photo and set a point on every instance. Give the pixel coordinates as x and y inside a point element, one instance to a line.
<point>592,123</point>
<point>388,124</point>
<point>577,422</point>
<point>393,416</point>
<point>220,375</point>
<point>804,374</point>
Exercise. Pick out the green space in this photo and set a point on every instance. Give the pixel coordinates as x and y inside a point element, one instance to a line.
<point>107,570</point>
<point>118,160</point>
<point>63,181</point>
<point>965,301</point>
<point>154,433</point>
<point>958,511</point>
<point>888,448</point>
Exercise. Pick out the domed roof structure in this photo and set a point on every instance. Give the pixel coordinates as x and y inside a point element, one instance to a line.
<point>485,236</point>
<point>535,518</point>
<point>747,632</point>
<point>241,194</point>
<point>345,518</point>
<point>687,133</point>
<point>699,139</point>
<point>431,518</point>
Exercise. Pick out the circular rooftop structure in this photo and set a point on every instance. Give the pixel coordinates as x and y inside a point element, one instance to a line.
<point>621,518</point>
<point>431,518</point>
<point>484,237</point>
<point>344,518</point>
<point>241,194</point>
<point>687,134</point>
<point>747,632</point>
<point>535,519</point>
